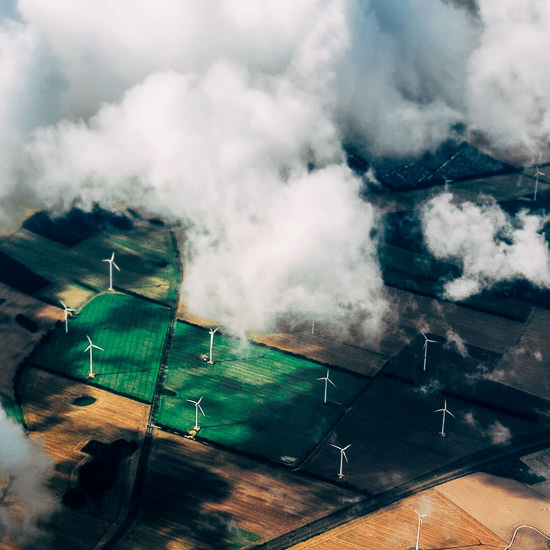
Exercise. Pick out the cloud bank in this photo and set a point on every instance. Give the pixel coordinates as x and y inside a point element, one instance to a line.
<point>24,500</point>
<point>230,117</point>
<point>490,245</point>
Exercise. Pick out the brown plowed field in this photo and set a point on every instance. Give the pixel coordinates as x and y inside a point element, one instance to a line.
<point>47,404</point>
<point>395,528</point>
<point>197,496</point>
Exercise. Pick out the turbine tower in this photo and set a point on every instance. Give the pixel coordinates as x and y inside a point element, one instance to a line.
<point>447,181</point>
<point>212,332</point>
<point>420,521</point>
<point>537,174</point>
<point>327,382</point>
<point>197,407</point>
<point>342,456</point>
<point>426,340</point>
<point>445,411</point>
<point>67,310</point>
<point>90,348</point>
<point>112,263</point>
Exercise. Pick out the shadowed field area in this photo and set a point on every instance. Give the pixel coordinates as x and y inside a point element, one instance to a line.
<point>199,497</point>
<point>53,415</point>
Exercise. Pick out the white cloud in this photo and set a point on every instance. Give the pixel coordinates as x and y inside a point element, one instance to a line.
<point>488,244</point>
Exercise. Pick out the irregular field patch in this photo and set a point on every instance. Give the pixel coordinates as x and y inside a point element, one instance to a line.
<point>132,333</point>
<point>197,496</point>
<point>144,254</point>
<point>256,399</point>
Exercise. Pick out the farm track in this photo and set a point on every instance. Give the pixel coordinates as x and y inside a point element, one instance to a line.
<point>112,537</point>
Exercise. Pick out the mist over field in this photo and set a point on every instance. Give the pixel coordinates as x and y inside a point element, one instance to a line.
<point>231,118</point>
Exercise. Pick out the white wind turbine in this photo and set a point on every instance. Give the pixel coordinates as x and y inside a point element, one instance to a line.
<point>90,348</point>
<point>447,181</point>
<point>420,521</point>
<point>445,411</point>
<point>537,174</point>
<point>112,263</point>
<point>67,310</point>
<point>342,456</point>
<point>426,340</point>
<point>327,382</point>
<point>212,332</point>
<point>197,407</point>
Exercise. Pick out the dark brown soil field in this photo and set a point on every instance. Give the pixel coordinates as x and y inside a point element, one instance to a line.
<point>394,435</point>
<point>526,365</point>
<point>197,496</point>
<point>17,342</point>
<point>48,403</point>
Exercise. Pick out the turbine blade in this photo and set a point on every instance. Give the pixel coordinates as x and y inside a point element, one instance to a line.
<point>335,446</point>
<point>319,379</point>
<point>87,348</point>
<point>97,347</point>
<point>62,304</point>
<point>439,410</point>
<point>112,256</point>
<point>434,341</point>
<point>331,382</point>
<point>345,456</point>
<point>449,412</point>
<point>346,447</point>
<point>199,400</point>
<point>201,409</point>
<point>89,339</point>
<point>191,401</point>
<point>118,268</point>
<point>105,260</point>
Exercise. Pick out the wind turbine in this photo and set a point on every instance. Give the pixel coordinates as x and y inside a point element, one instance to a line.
<point>197,407</point>
<point>426,340</point>
<point>67,310</point>
<point>327,382</point>
<point>342,456</point>
<point>112,263</point>
<point>212,332</point>
<point>91,347</point>
<point>420,520</point>
<point>445,411</point>
<point>447,181</point>
<point>537,174</point>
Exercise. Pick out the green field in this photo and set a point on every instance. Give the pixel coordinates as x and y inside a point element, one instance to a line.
<point>131,331</point>
<point>256,399</point>
<point>11,408</point>
<point>145,255</point>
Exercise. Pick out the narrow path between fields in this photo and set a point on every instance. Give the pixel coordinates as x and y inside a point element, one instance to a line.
<point>129,512</point>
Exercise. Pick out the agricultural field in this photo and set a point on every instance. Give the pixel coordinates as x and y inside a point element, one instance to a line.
<point>197,496</point>
<point>394,435</point>
<point>446,526</point>
<point>325,350</point>
<point>467,372</point>
<point>473,327</point>
<point>132,332</point>
<point>501,187</point>
<point>144,253</point>
<point>525,367</point>
<point>501,505</point>
<point>257,400</point>
<point>24,320</point>
<point>66,415</point>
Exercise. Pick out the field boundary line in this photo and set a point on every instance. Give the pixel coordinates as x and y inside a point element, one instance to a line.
<point>464,466</point>
<point>113,537</point>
